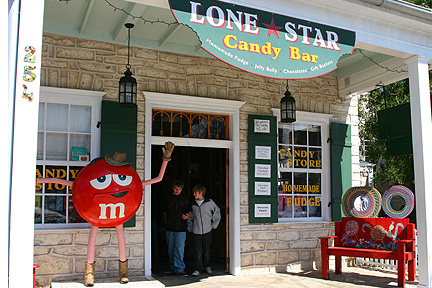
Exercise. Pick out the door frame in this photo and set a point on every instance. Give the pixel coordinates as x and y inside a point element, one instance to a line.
<point>231,108</point>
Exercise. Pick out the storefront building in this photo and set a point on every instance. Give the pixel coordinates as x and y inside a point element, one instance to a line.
<point>279,191</point>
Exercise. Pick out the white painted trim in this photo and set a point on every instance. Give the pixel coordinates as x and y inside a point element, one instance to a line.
<point>322,120</point>
<point>197,104</point>
<point>422,155</point>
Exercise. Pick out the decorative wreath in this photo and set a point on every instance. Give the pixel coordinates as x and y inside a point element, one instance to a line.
<point>372,200</point>
<point>405,194</point>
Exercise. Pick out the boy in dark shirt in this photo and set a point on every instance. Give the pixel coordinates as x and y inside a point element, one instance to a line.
<point>177,210</point>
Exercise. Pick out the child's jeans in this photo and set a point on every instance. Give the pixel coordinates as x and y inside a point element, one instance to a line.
<point>202,251</point>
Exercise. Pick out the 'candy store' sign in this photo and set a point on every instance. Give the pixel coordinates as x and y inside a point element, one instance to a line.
<point>264,43</point>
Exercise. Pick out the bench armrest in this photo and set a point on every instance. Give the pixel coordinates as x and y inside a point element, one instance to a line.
<point>324,240</point>
<point>409,243</point>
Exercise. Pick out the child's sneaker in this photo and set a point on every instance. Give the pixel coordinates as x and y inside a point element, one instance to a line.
<point>195,273</point>
<point>208,270</point>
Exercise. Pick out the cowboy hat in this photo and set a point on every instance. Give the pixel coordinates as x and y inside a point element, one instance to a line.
<point>118,159</point>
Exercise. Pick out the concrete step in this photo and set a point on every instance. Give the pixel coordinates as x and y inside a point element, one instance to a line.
<point>136,281</point>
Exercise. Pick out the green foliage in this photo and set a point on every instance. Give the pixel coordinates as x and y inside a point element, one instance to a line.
<point>389,169</point>
<point>424,3</point>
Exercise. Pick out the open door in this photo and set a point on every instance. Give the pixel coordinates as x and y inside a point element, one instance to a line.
<point>192,165</point>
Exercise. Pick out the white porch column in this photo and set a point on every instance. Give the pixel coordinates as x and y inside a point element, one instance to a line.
<point>24,142</point>
<point>421,122</point>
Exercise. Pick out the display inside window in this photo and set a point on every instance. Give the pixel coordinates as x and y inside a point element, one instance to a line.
<point>64,148</point>
<point>300,171</point>
<point>53,202</point>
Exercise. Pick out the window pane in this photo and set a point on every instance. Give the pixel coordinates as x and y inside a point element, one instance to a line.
<point>80,119</point>
<point>285,206</point>
<point>38,210</point>
<point>314,135</point>
<point>55,209</point>
<point>285,156</point>
<point>82,144</point>
<point>57,117</point>
<point>300,206</point>
<point>217,128</point>
<point>314,183</point>
<point>285,183</point>
<point>300,134</point>
<point>315,158</point>
<point>74,217</point>
<point>56,146</point>
<point>39,174</point>
<point>40,146</point>
<point>41,116</point>
<point>300,183</point>
<point>314,206</point>
<point>285,134</point>
<point>73,172</point>
<point>55,172</point>
<point>300,157</point>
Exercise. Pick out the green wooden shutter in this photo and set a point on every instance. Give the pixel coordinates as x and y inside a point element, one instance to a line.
<point>264,139</point>
<point>119,133</point>
<point>341,171</point>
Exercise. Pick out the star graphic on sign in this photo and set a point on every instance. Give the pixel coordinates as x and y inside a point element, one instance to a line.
<point>272,28</point>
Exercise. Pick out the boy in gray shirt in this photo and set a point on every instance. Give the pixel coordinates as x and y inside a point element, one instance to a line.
<point>205,217</point>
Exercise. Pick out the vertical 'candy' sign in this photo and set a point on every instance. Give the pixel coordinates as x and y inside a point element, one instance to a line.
<point>264,43</point>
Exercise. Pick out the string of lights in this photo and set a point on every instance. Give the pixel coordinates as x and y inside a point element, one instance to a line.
<point>158,21</point>
<point>376,63</point>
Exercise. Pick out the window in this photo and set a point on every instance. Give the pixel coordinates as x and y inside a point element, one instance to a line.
<point>67,140</point>
<point>302,175</point>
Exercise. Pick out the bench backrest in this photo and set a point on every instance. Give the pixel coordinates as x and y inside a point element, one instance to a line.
<point>375,233</point>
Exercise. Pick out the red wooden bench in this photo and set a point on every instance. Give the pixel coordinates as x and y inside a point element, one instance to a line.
<point>379,238</point>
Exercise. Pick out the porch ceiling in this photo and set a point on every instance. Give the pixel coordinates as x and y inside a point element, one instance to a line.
<point>104,20</point>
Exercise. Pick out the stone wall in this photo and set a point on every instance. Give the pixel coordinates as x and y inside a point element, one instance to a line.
<point>69,62</point>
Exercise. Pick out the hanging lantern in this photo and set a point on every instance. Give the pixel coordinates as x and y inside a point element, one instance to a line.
<point>288,107</point>
<point>127,83</point>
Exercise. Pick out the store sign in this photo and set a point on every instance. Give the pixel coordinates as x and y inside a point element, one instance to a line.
<point>264,43</point>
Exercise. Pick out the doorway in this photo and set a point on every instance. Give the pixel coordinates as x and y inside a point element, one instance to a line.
<point>192,165</point>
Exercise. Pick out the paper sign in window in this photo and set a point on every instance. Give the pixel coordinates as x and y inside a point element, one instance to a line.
<point>262,188</point>
<point>261,126</point>
<point>262,171</point>
<point>263,152</point>
<point>262,210</point>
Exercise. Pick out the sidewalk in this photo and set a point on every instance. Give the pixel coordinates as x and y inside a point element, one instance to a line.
<point>351,277</point>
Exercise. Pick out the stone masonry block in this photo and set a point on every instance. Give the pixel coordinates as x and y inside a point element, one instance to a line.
<point>198,70</point>
<point>54,265</point>
<point>316,233</point>
<point>304,244</point>
<point>145,53</point>
<point>47,239</point>
<point>95,67</point>
<point>84,43</point>
<point>102,239</point>
<point>247,260</point>
<point>265,235</point>
<point>247,246</point>
<point>267,258</point>
<point>152,73</point>
<point>73,53</point>
<point>59,40</point>
<point>75,250</point>
<point>288,235</point>
<point>108,252</point>
<point>285,257</point>
<point>277,245</point>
